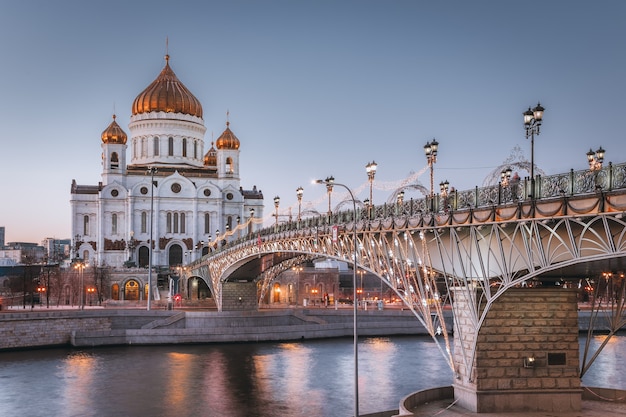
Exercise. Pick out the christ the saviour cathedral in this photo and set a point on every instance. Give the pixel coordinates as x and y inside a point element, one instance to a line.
<point>190,197</point>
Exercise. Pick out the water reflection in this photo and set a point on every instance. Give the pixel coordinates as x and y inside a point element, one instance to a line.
<point>312,378</point>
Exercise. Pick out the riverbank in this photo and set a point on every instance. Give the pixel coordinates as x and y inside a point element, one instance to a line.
<point>106,327</point>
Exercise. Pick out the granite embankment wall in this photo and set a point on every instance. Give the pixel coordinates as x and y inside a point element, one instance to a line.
<point>126,326</point>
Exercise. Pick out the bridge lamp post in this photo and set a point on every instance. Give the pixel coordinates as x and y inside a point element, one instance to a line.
<point>444,188</point>
<point>370,168</point>
<point>505,177</point>
<point>595,159</point>
<point>400,201</point>
<point>276,204</point>
<point>532,124</point>
<point>151,171</point>
<point>430,150</point>
<point>330,182</point>
<point>299,193</point>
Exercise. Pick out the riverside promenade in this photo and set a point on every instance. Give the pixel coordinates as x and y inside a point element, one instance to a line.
<point>97,326</point>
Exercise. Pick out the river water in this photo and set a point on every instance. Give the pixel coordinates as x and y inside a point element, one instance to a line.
<point>310,378</point>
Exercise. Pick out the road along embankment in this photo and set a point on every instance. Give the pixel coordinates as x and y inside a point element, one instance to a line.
<point>102,327</point>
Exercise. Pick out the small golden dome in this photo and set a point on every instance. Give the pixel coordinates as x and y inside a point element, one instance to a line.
<point>114,134</point>
<point>167,94</point>
<point>227,140</point>
<point>210,159</point>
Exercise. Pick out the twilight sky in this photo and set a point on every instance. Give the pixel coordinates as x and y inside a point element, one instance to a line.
<point>314,88</point>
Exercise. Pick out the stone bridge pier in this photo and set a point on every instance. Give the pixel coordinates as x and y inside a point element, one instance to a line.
<point>238,296</point>
<point>526,354</point>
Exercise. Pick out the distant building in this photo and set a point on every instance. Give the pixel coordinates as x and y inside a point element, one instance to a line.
<point>1,237</point>
<point>57,249</point>
<point>196,194</point>
<point>22,253</point>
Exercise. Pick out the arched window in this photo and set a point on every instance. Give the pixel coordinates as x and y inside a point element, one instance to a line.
<point>168,226</point>
<point>185,147</point>
<point>182,222</point>
<point>207,224</point>
<point>85,225</point>
<point>144,222</point>
<point>175,222</point>
<point>155,145</point>
<point>229,165</point>
<point>144,147</point>
<point>195,149</point>
<point>229,222</point>
<point>170,146</point>
<point>115,162</point>
<point>114,224</point>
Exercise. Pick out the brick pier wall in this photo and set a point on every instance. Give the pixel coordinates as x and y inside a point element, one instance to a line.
<point>522,323</point>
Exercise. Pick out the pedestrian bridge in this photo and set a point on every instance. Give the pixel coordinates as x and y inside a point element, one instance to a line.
<point>490,238</point>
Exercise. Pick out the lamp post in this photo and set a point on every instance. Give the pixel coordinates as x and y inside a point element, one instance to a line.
<point>151,171</point>
<point>400,202</point>
<point>532,124</point>
<point>250,228</point>
<point>444,188</point>
<point>505,177</point>
<point>370,169</point>
<point>276,204</point>
<point>330,181</point>
<point>430,150</point>
<point>595,159</point>
<point>299,193</point>
<point>80,266</point>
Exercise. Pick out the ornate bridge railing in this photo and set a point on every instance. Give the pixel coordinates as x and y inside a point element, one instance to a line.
<point>486,247</point>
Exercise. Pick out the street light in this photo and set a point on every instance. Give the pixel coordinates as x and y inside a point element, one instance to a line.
<point>80,266</point>
<point>532,123</point>
<point>505,177</point>
<point>151,171</point>
<point>370,168</point>
<point>330,181</point>
<point>299,193</point>
<point>276,204</point>
<point>595,159</point>
<point>430,150</point>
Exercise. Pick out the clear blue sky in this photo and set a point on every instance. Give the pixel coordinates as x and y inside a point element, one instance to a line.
<point>314,88</point>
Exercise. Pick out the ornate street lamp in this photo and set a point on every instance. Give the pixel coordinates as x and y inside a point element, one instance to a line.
<point>80,266</point>
<point>430,150</point>
<point>299,193</point>
<point>330,181</point>
<point>370,168</point>
<point>276,204</point>
<point>151,171</point>
<point>595,159</point>
<point>532,124</point>
<point>505,177</point>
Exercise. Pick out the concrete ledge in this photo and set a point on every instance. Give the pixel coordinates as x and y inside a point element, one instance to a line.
<point>411,401</point>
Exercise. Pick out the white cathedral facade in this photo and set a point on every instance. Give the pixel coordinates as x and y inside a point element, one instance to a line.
<point>161,176</point>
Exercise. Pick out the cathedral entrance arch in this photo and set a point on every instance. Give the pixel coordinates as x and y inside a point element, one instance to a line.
<point>175,255</point>
<point>144,257</point>
<point>131,290</point>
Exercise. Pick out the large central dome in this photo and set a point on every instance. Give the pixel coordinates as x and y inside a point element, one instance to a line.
<point>167,94</point>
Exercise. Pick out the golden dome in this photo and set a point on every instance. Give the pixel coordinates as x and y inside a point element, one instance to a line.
<point>210,159</point>
<point>167,94</point>
<point>227,140</point>
<point>114,134</point>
